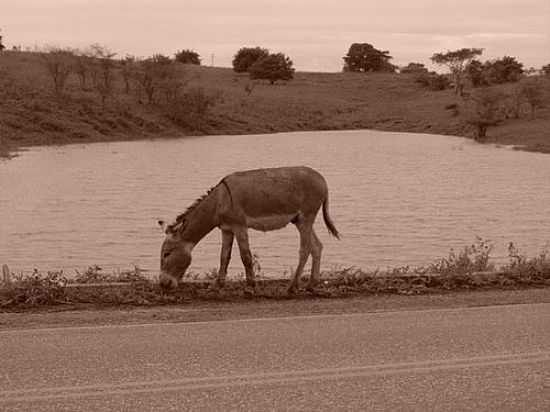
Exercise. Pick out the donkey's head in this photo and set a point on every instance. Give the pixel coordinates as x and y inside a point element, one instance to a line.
<point>175,255</point>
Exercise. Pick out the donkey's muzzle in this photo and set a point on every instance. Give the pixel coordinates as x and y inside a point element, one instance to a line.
<point>167,281</point>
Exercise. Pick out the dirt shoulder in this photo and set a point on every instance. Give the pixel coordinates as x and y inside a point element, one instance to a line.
<point>89,315</point>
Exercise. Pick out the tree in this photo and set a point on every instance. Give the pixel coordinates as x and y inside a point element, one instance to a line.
<point>273,67</point>
<point>363,57</point>
<point>152,73</point>
<point>504,70</point>
<point>188,57</point>
<point>475,71</point>
<point>83,66</point>
<point>2,47</point>
<point>546,70</point>
<point>414,68</point>
<point>127,68</point>
<point>484,108</point>
<point>456,61</point>
<point>246,57</point>
<point>533,92</point>
<point>103,68</point>
<point>59,63</point>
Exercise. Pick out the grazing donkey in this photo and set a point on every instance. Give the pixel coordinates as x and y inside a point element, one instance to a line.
<point>262,199</point>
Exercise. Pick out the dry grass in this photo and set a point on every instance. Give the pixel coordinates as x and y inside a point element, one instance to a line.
<point>469,269</point>
<point>31,114</point>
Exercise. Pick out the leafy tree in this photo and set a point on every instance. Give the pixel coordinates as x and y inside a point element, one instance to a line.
<point>246,57</point>
<point>272,67</point>
<point>188,57</point>
<point>504,70</point>
<point>414,68</point>
<point>2,47</point>
<point>457,61</point>
<point>546,70</point>
<point>475,71</point>
<point>363,57</point>
<point>484,108</point>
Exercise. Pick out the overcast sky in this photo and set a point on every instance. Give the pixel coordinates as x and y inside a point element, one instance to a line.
<point>314,33</point>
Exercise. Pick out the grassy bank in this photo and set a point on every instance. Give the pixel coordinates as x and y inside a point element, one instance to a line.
<point>467,270</point>
<point>32,114</point>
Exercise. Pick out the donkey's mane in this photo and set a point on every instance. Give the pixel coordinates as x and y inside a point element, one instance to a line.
<point>182,217</point>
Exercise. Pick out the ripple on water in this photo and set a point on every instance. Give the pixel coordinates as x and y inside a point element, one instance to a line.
<point>396,198</point>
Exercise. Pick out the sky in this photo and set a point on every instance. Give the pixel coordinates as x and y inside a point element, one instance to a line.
<point>315,34</point>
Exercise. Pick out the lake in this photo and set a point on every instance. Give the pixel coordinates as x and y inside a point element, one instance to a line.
<point>396,198</point>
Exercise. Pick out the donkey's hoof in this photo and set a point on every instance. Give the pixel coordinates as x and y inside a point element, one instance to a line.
<point>292,290</point>
<point>311,289</point>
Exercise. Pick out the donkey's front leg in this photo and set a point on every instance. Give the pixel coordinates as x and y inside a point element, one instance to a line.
<point>246,255</point>
<point>225,257</point>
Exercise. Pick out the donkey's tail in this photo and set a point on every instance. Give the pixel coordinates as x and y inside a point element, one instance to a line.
<point>328,220</point>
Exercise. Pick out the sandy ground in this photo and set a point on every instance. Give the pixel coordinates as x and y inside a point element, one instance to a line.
<point>62,316</point>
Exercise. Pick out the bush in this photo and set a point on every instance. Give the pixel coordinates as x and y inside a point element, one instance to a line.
<point>532,90</point>
<point>272,67</point>
<point>36,289</point>
<point>188,57</point>
<point>433,81</point>
<point>484,108</point>
<point>246,57</point>
<point>414,68</point>
<point>191,109</point>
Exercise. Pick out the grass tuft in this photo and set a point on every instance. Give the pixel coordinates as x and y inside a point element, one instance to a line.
<point>469,269</point>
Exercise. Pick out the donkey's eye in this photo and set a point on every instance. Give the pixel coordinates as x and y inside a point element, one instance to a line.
<point>166,254</point>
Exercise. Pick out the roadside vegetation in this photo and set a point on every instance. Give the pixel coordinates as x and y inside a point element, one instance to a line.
<point>57,96</point>
<point>465,270</point>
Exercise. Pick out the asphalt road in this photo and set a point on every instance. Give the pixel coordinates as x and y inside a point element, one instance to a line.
<point>494,358</point>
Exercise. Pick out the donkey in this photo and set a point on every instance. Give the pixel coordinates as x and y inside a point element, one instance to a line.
<point>262,199</point>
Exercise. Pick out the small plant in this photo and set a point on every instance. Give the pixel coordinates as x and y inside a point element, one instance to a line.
<point>473,258</point>
<point>35,289</point>
<point>521,265</point>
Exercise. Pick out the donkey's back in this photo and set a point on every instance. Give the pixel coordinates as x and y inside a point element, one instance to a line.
<point>283,191</point>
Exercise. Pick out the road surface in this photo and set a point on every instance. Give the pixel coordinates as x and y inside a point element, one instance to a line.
<point>494,358</point>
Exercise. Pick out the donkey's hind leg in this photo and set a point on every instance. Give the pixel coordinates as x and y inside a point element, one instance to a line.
<point>305,228</point>
<point>316,250</point>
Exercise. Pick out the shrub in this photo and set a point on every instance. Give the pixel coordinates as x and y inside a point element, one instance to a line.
<point>191,109</point>
<point>433,81</point>
<point>188,57</point>
<point>534,94</point>
<point>272,67</point>
<point>473,258</point>
<point>246,57</point>
<point>482,109</point>
<point>36,289</point>
<point>414,68</point>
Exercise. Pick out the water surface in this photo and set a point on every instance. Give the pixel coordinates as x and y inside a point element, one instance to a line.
<point>397,198</point>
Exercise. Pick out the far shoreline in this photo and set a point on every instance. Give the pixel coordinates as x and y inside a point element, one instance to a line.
<point>14,151</point>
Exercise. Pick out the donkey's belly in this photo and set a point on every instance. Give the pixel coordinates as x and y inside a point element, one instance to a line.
<point>265,223</point>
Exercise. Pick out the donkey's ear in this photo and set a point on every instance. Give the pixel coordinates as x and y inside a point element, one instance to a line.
<point>162,225</point>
